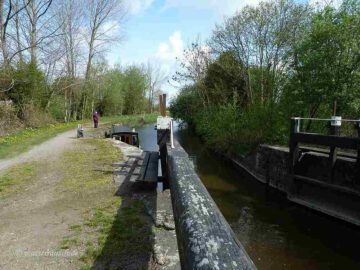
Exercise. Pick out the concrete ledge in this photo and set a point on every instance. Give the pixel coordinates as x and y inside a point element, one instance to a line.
<point>205,239</point>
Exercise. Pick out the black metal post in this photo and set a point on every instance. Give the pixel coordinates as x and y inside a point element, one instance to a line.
<point>358,153</point>
<point>294,151</point>
<point>335,130</point>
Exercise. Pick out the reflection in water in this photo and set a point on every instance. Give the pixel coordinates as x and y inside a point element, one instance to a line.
<point>277,234</point>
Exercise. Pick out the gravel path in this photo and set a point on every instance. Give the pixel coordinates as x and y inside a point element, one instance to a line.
<point>33,222</point>
<point>50,148</point>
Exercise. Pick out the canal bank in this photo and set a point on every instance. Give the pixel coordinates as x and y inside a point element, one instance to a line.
<point>276,233</point>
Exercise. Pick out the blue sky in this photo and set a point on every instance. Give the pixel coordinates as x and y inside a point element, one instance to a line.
<point>159,30</point>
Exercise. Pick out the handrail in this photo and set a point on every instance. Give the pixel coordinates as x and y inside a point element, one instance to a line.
<point>205,239</point>
<point>325,119</point>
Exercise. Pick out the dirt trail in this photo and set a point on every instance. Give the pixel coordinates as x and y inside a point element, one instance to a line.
<point>50,148</point>
<point>33,221</point>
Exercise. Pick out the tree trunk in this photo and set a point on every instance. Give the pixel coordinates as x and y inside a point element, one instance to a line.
<point>17,26</point>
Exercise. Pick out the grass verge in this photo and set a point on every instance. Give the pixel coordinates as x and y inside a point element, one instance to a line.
<point>112,230</point>
<point>88,165</point>
<point>15,178</point>
<point>109,232</point>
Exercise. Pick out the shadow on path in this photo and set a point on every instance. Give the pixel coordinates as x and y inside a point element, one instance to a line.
<point>130,241</point>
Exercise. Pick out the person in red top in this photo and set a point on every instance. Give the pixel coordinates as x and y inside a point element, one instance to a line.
<point>96,117</point>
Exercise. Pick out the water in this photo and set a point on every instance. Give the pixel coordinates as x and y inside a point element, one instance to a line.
<point>276,233</point>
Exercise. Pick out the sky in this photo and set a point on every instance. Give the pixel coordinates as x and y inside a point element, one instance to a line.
<point>159,30</point>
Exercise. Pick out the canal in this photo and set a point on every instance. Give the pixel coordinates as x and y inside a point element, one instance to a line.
<point>277,234</point>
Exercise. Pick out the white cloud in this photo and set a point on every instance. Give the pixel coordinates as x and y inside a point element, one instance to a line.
<point>168,51</point>
<point>221,7</point>
<point>137,6</point>
<point>166,55</point>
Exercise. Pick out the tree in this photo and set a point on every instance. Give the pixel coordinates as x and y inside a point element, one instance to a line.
<point>225,81</point>
<point>262,37</point>
<point>71,13</point>
<point>327,63</point>
<point>36,11</point>
<point>134,88</point>
<point>194,64</point>
<point>12,9</point>
<point>155,79</point>
<point>98,13</point>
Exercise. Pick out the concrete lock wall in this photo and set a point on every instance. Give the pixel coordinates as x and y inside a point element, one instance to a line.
<point>205,239</point>
<point>270,165</point>
<point>339,197</point>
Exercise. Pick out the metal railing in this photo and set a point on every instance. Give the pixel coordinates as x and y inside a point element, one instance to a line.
<point>344,127</point>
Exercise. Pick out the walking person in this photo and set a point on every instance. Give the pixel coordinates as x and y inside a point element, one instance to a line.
<point>96,117</point>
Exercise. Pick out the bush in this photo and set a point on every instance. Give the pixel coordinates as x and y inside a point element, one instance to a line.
<point>34,117</point>
<point>186,105</point>
<point>219,126</point>
<point>8,119</point>
<point>232,130</point>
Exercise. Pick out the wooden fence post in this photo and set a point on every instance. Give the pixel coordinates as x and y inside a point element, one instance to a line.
<point>162,105</point>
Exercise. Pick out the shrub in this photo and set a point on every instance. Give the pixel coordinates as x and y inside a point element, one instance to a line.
<point>8,119</point>
<point>233,130</point>
<point>34,117</point>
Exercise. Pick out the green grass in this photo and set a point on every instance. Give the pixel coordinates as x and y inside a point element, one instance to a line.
<point>22,141</point>
<point>67,242</point>
<point>110,231</point>
<point>88,165</point>
<point>14,179</point>
<point>130,120</point>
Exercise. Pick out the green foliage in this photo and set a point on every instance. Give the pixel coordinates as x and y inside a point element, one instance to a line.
<point>231,129</point>
<point>327,63</point>
<point>272,62</point>
<point>225,81</point>
<point>29,87</point>
<point>186,105</point>
<point>112,102</point>
<point>134,87</point>
<point>219,126</point>
<point>37,101</point>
